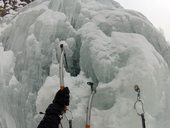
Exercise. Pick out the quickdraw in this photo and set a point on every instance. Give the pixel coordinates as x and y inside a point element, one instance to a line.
<point>139,101</point>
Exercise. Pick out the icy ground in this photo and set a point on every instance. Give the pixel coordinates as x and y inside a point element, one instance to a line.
<point>104,42</point>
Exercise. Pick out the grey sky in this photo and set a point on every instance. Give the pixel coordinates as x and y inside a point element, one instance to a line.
<point>157,11</point>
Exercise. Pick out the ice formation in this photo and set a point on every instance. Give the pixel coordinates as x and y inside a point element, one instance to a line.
<point>103,42</point>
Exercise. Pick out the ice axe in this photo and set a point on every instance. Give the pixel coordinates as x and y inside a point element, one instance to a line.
<point>61,67</point>
<point>88,114</point>
<point>61,74</point>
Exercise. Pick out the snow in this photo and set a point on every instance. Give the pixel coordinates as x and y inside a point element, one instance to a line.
<point>103,42</point>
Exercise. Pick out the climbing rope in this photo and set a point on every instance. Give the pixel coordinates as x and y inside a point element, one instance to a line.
<point>139,102</point>
<point>69,119</point>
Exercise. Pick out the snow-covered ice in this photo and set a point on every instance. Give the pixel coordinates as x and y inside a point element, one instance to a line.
<point>103,42</point>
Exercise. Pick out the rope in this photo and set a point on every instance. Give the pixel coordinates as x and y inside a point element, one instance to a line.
<point>143,120</point>
<point>61,125</point>
<point>69,120</point>
<point>139,101</point>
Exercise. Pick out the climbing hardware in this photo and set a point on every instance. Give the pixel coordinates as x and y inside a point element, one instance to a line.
<point>140,103</point>
<point>62,85</point>
<point>88,114</point>
<point>61,67</point>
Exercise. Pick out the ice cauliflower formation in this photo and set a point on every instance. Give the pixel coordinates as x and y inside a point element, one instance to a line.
<point>103,42</point>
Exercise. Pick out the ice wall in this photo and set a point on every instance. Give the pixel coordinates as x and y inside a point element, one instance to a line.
<point>128,59</point>
<point>104,42</point>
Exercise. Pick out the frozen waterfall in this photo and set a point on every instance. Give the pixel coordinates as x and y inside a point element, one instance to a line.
<point>103,42</point>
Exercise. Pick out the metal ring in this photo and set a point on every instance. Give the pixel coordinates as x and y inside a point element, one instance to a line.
<point>139,101</point>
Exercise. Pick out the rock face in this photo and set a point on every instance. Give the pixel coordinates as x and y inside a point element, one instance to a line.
<point>103,42</point>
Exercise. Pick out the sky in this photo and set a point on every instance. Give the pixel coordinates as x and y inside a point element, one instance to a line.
<point>157,11</point>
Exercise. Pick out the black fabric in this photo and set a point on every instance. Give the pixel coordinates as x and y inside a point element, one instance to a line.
<point>62,97</point>
<point>51,118</point>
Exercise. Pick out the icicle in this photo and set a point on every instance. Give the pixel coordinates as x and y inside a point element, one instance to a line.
<point>2,81</point>
<point>1,49</point>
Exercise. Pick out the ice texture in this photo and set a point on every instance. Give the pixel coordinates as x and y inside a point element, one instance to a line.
<point>103,42</point>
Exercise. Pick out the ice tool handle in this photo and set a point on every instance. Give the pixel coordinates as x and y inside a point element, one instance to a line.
<point>61,71</point>
<point>88,116</point>
<point>61,68</point>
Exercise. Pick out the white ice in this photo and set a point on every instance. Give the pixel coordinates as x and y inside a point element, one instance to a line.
<point>104,42</point>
